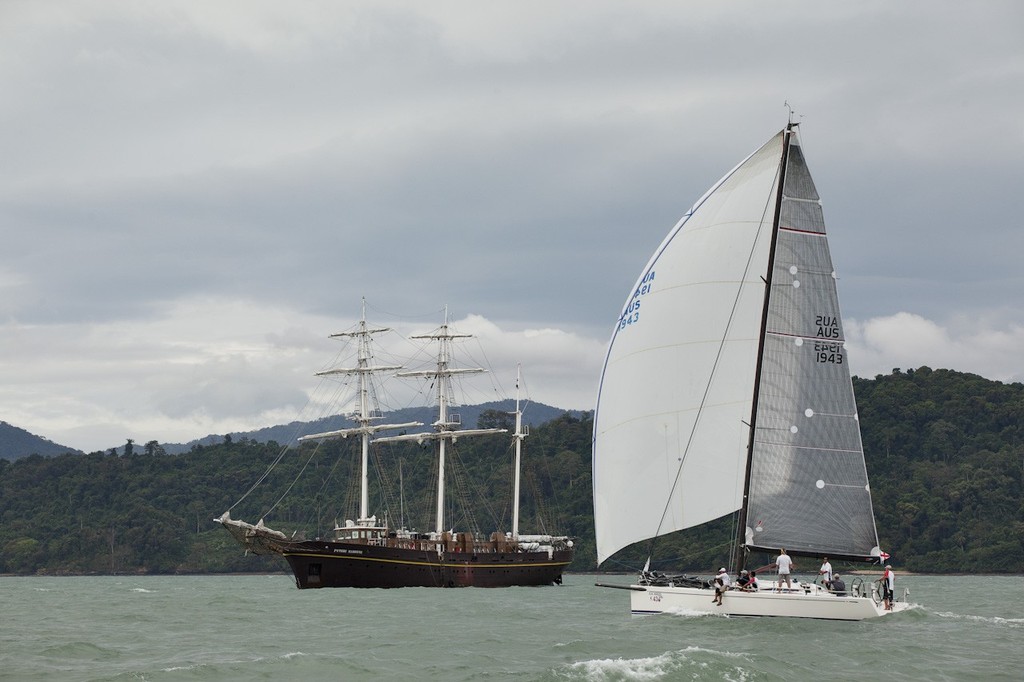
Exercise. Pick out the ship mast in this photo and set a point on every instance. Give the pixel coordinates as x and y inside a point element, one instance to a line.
<point>446,427</point>
<point>740,547</point>
<point>518,436</point>
<point>367,410</point>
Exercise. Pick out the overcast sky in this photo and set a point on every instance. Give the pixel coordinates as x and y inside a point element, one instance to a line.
<point>194,194</point>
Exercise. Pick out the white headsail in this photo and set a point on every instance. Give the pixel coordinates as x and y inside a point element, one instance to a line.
<point>670,454</point>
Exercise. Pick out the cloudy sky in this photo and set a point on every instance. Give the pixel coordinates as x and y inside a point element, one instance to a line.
<point>194,194</point>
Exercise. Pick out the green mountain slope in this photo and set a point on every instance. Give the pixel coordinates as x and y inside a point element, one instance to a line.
<point>16,443</point>
<point>945,454</point>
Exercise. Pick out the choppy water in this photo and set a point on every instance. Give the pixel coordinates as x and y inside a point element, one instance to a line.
<point>262,628</point>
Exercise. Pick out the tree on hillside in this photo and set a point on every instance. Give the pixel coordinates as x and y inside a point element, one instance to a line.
<point>944,450</point>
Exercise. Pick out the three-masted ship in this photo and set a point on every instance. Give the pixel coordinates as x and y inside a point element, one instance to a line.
<point>366,551</point>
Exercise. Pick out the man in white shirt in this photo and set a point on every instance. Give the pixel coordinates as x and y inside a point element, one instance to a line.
<point>826,573</point>
<point>784,564</point>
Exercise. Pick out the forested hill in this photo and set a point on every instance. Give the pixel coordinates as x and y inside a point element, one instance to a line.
<point>945,453</point>
<point>16,442</point>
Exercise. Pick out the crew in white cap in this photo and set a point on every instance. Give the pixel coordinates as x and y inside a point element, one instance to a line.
<point>722,582</point>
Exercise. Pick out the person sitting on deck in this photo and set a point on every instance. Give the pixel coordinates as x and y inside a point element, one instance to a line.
<point>747,581</point>
<point>837,586</point>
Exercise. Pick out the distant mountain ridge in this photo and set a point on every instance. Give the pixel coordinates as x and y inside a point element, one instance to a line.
<point>534,414</point>
<point>16,443</point>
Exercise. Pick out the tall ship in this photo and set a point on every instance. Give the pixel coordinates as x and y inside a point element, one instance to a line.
<point>370,551</point>
<point>726,390</point>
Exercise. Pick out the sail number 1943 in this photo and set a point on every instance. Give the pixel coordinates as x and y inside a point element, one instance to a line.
<point>631,315</point>
<point>828,351</point>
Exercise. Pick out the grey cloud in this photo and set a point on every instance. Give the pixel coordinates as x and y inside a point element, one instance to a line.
<point>514,164</point>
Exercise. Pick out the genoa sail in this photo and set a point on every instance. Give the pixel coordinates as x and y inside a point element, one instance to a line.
<point>670,437</point>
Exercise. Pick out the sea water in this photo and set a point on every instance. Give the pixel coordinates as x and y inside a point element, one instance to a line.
<point>263,628</point>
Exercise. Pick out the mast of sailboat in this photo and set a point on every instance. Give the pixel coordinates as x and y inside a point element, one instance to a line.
<point>401,494</point>
<point>518,436</point>
<point>741,523</point>
<point>445,428</point>
<point>366,411</point>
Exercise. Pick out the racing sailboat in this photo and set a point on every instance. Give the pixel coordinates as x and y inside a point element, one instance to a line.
<point>726,390</point>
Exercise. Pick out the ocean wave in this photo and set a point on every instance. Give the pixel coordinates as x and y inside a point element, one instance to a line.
<point>692,613</point>
<point>81,651</point>
<point>995,620</point>
<point>696,662</point>
<point>235,662</point>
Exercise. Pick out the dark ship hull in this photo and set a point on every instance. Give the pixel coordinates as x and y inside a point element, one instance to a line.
<point>341,564</point>
<point>371,556</point>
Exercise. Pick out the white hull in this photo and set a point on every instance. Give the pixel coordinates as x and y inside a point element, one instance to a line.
<point>798,603</point>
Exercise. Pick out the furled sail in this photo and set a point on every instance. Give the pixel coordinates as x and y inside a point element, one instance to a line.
<point>671,425</point>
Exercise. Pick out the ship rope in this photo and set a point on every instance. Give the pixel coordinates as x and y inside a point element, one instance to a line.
<point>540,512</point>
<point>550,505</point>
<point>350,496</point>
<point>384,482</point>
<point>280,455</point>
<point>462,490</point>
